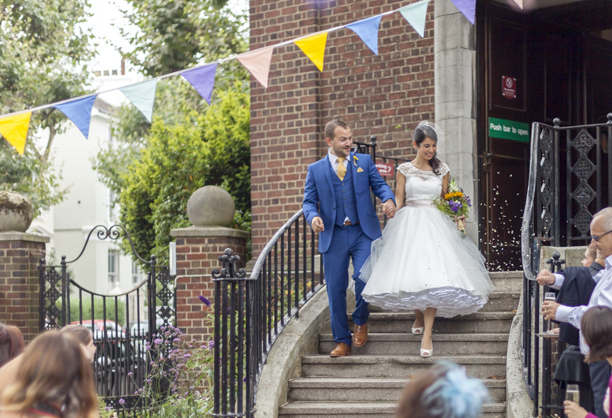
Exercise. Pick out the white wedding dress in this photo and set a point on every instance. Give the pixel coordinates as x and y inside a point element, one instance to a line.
<point>422,261</point>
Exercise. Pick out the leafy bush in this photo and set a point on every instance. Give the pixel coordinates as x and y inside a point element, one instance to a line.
<point>98,309</point>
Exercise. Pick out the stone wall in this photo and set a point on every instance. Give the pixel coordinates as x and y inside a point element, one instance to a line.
<point>384,95</point>
<point>20,254</point>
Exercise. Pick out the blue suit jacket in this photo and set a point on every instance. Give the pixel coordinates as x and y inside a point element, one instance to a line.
<point>320,200</point>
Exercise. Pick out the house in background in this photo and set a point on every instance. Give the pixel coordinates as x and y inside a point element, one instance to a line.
<point>102,268</point>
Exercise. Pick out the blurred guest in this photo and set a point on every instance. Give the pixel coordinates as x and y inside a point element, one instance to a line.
<point>596,327</point>
<point>11,343</point>
<point>85,337</point>
<point>443,391</point>
<point>54,380</point>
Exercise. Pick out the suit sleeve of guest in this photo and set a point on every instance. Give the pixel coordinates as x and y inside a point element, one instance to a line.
<point>311,197</point>
<point>379,186</point>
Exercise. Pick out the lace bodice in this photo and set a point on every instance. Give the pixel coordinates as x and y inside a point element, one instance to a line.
<point>422,185</point>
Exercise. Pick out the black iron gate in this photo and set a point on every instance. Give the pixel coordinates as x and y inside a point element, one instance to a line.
<point>123,325</point>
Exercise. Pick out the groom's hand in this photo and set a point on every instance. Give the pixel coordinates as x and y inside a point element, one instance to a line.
<point>389,208</point>
<point>317,224</point>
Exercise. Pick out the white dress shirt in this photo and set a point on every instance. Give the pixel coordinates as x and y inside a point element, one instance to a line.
<point>601,296</point>
<point>335,163</point>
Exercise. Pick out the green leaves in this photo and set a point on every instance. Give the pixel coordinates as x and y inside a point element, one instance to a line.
<point>43,48</point>
<point>178,159</point>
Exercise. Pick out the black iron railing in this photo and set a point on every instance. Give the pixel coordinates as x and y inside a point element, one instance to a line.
<point>122,325</point>
<point>251,312</point>
<point>570,179</point>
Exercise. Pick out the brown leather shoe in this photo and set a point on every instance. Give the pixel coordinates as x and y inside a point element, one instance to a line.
<point>360,336</point>
<point>341,350</point>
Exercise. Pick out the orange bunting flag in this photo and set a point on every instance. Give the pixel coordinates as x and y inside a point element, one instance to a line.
<point>258,63</point>
<point>314,48</point>
<point>15,130</point>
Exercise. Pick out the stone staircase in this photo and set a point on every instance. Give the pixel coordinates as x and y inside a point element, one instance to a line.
<point>370,382</point>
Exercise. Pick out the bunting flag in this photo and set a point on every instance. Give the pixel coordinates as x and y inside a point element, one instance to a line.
<point>367,29</point>
<point>314,48</point>
<point>416,15</point>
<point>519,2</point>
<point>202,79</point>
<point>142,95</point>
<point>79,112</point>
<point>15,130</point>
<point>467,7</point>
<point>258,63</point>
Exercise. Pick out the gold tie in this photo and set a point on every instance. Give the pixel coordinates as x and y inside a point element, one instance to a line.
<point>341,168</point>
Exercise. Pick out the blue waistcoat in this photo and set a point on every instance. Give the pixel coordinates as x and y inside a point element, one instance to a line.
<point>346,203</point>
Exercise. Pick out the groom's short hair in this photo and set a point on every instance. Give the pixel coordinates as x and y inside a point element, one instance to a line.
<point>331,126</point>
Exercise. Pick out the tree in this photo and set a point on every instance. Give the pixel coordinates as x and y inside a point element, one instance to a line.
<point>42,60</point>
<point>179,159</point>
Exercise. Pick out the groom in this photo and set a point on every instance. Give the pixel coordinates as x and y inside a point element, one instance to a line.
<point>337,204</point>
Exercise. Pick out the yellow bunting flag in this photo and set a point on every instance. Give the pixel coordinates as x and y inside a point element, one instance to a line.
<point>314,48</point>
<point>15,130</point>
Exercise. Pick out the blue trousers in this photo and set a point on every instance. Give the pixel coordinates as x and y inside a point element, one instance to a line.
<point>600,376</point>
<point>347,241</point>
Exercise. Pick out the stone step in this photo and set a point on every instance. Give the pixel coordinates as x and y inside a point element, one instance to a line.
<point>321,389</point>
<point>397,366</point>
<point>370,409</point>
<point>507,280</point>
<point>400,322</point>
<point>409,344</point>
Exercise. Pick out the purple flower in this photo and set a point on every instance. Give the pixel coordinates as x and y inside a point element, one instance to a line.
<point>454,208</point>
<point>205,301</point>
<point>157,341</point>
<point>211,345</point>
<point>108,408</point>
<point>131,374</point>
<point>187,356</point>
<point>121,401</point>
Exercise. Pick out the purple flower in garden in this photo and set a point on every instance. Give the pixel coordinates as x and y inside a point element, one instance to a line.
<point>187,356</point>
<point>131,374</point>
<point>157,341</point>
<point>121,401</point>
<point>108,408</point>
<point>211,345</point>
<point>205,301</point>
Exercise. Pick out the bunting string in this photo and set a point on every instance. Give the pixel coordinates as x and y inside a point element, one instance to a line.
<point>14,126</point>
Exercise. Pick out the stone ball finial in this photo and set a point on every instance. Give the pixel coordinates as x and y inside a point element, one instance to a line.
<point>16,212</point>
<point>211,206</point>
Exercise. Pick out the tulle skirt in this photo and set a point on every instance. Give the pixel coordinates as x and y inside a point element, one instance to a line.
<point>421,262</point>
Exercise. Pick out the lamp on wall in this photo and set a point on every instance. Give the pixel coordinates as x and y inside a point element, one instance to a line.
<point>172,249</point>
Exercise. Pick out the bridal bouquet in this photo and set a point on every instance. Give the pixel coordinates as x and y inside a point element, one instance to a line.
<point>455,204</point>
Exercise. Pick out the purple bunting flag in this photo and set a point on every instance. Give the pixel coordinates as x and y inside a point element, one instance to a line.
<point>367,29</point>
<point>467,7</point>
<point>202,79</point>
<point>79,112</point>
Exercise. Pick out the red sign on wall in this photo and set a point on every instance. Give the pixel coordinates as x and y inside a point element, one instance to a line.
<point>386,169</point>
<point>508,87</point>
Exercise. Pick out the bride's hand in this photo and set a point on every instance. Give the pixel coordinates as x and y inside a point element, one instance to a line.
<point>460,218</point>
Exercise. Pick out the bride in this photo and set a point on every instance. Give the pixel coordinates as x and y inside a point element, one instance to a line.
<point>422,262</point>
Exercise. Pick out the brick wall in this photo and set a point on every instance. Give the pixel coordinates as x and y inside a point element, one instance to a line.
<point>19,284</point>
<point>384,95</point>
<point>196,258</point>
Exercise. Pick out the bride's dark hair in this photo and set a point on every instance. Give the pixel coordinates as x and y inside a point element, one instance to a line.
<point>423,131</point>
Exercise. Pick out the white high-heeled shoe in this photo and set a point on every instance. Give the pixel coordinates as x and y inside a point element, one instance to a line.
<point>418,331</point>
<point>427,352</point>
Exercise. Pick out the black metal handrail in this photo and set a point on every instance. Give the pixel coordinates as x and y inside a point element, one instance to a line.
<point>250,313</point>
<point>560,191</point>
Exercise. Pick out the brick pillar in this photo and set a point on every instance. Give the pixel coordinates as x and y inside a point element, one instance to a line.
<point>197,250</point>
<point>20,254</point>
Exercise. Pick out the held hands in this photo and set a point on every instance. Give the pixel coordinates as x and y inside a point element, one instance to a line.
<point>317,224</point>
<point>549,309</point>
<point>545,277</point>
<point>573,410</point>
<point>389,208</point>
